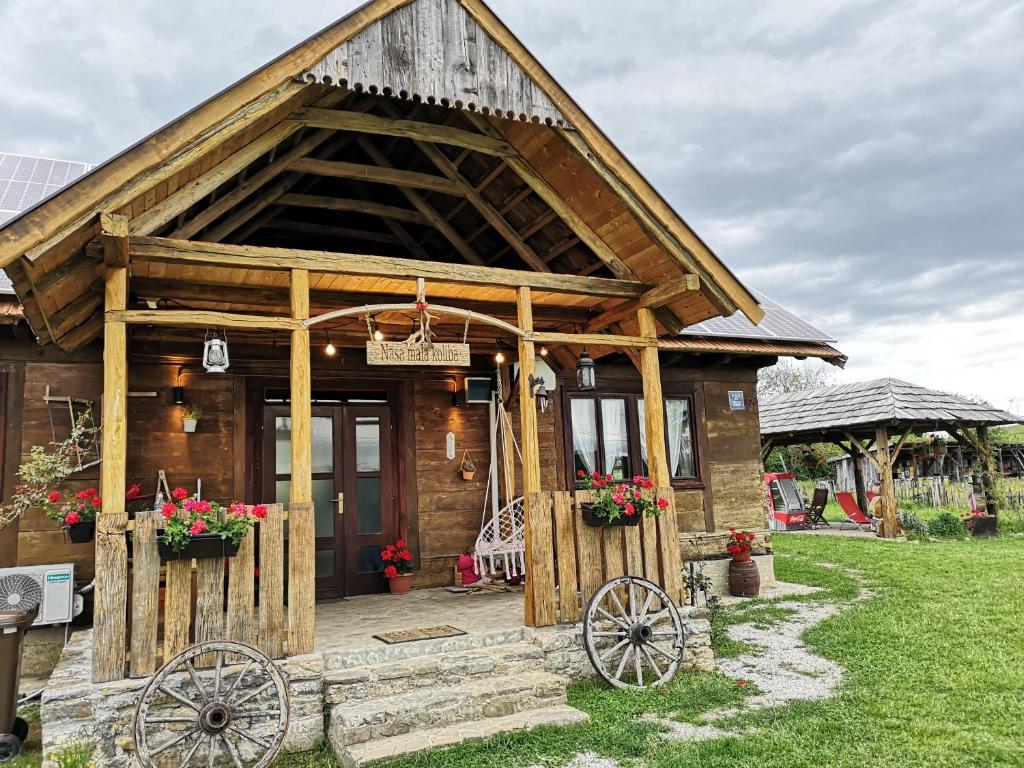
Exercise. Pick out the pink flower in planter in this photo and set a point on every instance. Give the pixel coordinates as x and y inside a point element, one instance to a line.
<point>199,526</point>
<point>71,518</point>
<point>237,509</point>
<point>630,509</point>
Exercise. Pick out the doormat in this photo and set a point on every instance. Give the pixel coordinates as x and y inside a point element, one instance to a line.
<point>424,633</point>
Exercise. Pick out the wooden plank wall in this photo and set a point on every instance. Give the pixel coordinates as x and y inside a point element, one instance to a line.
<point>189,606</point>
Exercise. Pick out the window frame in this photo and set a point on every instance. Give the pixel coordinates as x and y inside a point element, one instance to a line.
<point>631,395</point>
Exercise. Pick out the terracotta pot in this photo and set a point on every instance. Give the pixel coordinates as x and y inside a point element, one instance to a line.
<point>82,533</point>
<point>468,474</point>
<point>744,580</point>
<point>742,557</point>
<point>400,584</point>
<point>593,520</point>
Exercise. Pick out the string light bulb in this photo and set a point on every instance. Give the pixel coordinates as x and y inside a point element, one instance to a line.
<point>499,358</point>
<point>543,351</point>
<point>378,336</point>
<point>330,350</point>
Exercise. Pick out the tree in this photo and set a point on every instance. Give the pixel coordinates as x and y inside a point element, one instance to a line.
<point>793,376</point>
<point>787,376</point>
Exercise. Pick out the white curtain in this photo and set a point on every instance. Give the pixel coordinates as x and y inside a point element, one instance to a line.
<point>680,446</point>
<point>584,433</point>
<point>616,437</point>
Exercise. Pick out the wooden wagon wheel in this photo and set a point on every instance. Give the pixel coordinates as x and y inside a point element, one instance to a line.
<point>233,712</point>
<point>633,634</point>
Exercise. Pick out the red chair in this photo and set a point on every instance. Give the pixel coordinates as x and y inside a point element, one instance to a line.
<point>853,514</point>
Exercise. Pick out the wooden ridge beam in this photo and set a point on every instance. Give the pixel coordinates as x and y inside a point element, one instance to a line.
<point>223,204</point>
<point>341,120</point>
<point>365,207</point>
<point>426,210</point>
<point>186,196</point>
<point>654,298</point>
<point>375,173</point>
<point>255,257</point>
<point>554,200</point>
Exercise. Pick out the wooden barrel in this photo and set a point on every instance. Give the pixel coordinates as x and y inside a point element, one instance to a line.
<point>744,580</point>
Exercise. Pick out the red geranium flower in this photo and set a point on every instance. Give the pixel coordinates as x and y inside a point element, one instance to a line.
<point>71,518</point>
<point>97,502</point>
<point>390,572</point>
<point>662,503</point>
<point>630,509</point>
<point>260,511</point>
<point>179,494</point>
<point>741,683</point>
<point>385,555</point>
<point>54,497</point>
<point>169,510</point>
<point>199,526</point>
<point>580,473</point>
<point>400,544</point>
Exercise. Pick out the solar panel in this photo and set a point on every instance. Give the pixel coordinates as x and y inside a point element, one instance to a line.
<point>779,324</point>
<point>25,181</point>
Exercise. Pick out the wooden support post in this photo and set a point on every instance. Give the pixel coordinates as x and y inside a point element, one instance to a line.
<point>301,542</point>
<point>887,487</point>
<point>859,486</point>
<point>145,594</point>
<point>657,460</point>
<point>988,470</point>
<point>114,237</point>
<point>109,613</point>
<point>540,581</point>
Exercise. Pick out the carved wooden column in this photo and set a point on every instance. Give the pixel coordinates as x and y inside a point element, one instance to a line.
<point>301,530</point>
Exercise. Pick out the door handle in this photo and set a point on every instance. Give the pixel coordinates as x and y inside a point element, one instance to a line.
<point>341,503</point>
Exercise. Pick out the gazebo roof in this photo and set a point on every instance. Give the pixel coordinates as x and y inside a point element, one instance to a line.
<point>830,412</point>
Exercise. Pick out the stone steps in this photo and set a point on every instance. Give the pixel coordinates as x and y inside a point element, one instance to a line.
<point>478,698</point>
<point>435,671</point>
<point>450,735</point>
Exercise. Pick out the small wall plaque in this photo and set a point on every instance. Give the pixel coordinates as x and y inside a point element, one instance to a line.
<point>449,446</point>
<point>736,400</point>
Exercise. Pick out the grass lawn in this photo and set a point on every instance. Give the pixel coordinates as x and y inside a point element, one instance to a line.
<point>934,674</point>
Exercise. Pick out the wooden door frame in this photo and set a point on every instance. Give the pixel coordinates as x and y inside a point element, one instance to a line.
<point>401,401</point>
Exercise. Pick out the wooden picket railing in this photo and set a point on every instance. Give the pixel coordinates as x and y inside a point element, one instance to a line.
<point>584,558</point>
<point>194,616</point>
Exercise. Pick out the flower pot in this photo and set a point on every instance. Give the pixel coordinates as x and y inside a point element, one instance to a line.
<point>742,557</point>
<point>82,533</point>
<point>190,424</point>
<point>593,520</point>
<point>199,547</point>
<point>400,584</point>
<point>744,579</point>
<point>986,527</point>
<point>468,474</point>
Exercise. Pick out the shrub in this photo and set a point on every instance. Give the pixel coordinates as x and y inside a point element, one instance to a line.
<point>911,522</point>
<point>946,525</point>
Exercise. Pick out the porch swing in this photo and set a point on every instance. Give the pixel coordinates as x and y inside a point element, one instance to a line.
<point>503,537</point>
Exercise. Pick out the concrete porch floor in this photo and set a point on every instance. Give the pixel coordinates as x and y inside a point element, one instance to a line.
<point>350,624</point>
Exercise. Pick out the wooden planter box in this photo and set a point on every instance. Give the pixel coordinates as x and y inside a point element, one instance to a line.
<point>592,520</point>
<point>199,547</point>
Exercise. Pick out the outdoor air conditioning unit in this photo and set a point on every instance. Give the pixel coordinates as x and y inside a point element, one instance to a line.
<point>52,586</point>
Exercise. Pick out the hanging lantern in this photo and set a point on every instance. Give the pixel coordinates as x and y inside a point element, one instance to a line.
<point>586,374</point>
<point>215,354</point>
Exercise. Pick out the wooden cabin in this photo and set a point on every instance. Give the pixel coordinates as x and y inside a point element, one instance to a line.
<point>412,159</point>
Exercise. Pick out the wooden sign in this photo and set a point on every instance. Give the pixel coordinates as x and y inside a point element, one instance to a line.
<point>416,353</point>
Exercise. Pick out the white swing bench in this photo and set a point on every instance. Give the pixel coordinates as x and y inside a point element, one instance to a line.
<point>503,538</point>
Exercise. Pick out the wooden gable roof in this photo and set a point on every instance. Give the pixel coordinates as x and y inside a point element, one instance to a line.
<point>528,177</point>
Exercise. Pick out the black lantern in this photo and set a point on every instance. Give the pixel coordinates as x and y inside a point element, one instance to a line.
<point>586,375</point>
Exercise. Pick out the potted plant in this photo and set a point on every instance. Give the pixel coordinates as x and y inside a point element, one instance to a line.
<point>190,416</point>
<point>744,579</point>
<point>398,570</point>
<point>467,467</point>
<point>941,449</point>
<point>198,528</point>
<point>622,503</point>
<point>76,513</point>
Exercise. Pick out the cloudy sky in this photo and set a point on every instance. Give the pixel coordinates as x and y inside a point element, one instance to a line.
<point>861,161</point>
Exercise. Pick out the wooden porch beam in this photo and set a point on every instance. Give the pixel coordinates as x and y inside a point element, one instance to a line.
<point>594,339</point>
<point>111,604</point>
<point>114,229</point>
<point>193,318</point>
<point>256,257</point>
<point>654,298</point>
<point>426,209</point>
<point>301,529</point>
<point>375,173</point>
<point>341,120</point>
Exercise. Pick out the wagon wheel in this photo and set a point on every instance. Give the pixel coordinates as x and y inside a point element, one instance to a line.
<point>633,634</point>
<point>234,712</point>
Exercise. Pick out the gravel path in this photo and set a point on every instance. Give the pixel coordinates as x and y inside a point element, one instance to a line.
<point>781,666</point>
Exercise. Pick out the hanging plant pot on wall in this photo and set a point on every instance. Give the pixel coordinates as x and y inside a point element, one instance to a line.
<point>593,520</point>
<point>200,546</point>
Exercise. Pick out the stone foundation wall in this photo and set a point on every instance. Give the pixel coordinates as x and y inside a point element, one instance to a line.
<point>102,714</point>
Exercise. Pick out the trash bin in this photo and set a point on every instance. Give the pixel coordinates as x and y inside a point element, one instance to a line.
<point>13,730</point>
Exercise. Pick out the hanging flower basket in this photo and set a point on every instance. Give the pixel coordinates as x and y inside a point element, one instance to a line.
<point>467,467</point>
<point>618,503</point>
<point>593,520</point>
<point>198,547</point>
<point>82,533</point>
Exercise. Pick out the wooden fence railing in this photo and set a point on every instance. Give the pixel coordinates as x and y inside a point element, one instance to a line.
<point>189,608</point>
<point>585,558</point>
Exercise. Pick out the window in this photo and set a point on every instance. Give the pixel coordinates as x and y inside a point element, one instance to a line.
<point>608,436</point>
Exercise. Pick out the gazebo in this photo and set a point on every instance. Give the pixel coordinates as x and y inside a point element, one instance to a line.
<point>855,417</point>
